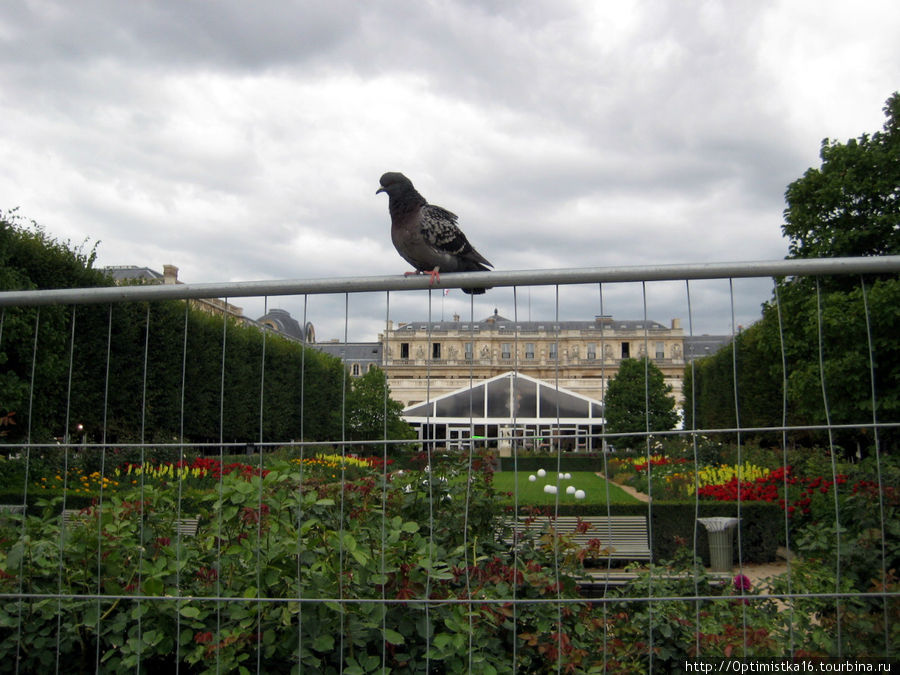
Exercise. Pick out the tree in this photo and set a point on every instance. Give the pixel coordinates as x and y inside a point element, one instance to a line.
<point>850,206</point>
<point>200,380</point>
<point>815,333</point>
<point>639,383</point>
<point>35,340</point>
<point>368,403</point>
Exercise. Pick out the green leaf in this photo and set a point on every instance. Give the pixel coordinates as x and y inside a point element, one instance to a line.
<point>393,637</point>
<point>153,586</point>
<point>441,640</point>
<point>323,643</point>
<point>190,612</point>
<point>359,555</point>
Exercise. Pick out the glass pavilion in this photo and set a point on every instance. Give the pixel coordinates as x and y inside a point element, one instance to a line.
<point>507,410</point>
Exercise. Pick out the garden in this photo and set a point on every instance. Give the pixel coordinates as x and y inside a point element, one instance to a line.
<point>308,560</point>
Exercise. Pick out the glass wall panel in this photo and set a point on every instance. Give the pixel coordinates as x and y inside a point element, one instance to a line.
<point>498,398</point>
<point>464,404</point>
<point>526,398</point>
<point>569,406</point>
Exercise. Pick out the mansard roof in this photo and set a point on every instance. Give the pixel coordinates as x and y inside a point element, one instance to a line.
<point>498,322</point>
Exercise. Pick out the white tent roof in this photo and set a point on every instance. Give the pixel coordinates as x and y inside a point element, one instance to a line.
<point>505,399</point>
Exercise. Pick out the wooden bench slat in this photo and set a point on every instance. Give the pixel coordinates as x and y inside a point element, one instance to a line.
<point>627,536</point>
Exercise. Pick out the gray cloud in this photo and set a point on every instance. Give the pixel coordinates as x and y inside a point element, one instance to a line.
<point>244,141</point>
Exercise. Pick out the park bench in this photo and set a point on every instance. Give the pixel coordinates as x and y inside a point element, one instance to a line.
<point>186,527</point>
<point>622,538</point>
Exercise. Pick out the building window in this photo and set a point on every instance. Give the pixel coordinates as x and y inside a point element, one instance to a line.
<point>592,351</point>
<point>468,347</point>
<point>404,350</point>
<point>354,369</point>
<point>505,352</point>
<point>626,350</point>
<point>435,350</point>
<point>552,350</point>
<point>660,350</point>
<point>529,350</point>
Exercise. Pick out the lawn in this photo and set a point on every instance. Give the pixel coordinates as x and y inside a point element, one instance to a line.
<point>532,492</point>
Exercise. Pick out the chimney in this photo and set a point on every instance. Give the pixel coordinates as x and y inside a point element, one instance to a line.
<point>676,324</point>
<point>170,274</point>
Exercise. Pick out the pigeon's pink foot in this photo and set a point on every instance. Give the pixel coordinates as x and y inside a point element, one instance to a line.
<point>434,274</point>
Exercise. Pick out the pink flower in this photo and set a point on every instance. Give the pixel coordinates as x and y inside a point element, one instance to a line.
<point>742,582</point>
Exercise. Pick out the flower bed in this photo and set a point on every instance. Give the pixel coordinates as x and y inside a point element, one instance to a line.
<point>198,473</point>
<point>299,569</point>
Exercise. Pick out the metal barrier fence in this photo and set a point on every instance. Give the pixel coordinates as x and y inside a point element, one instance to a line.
<point>331,565</point>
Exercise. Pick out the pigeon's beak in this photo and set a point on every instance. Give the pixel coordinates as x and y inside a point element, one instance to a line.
<point>380,190</point>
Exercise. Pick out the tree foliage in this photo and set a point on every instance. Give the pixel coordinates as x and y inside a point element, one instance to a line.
<point>372,413</point>
<point>638,399</point>
<point>850,206</point>
<point>824,350</point>
<point>152,372</point>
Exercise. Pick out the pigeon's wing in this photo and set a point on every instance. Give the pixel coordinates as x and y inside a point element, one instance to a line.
<point>438,227</point>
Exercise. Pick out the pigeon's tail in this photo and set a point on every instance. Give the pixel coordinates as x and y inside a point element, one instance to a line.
<point>476,264</point>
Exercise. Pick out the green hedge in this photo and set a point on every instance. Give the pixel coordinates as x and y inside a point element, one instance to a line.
<point>579,462</point>
<point>761,528</point>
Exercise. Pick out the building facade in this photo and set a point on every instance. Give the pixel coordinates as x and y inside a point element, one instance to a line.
<point>358,357</point>
<point>423,361</point>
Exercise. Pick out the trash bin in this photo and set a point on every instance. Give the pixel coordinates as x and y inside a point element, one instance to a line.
<point>721,538</point>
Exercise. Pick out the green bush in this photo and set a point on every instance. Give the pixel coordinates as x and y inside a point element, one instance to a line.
<point>570,462</point>
<point>288,535</point>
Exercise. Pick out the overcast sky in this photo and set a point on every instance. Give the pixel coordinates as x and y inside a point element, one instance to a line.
<point>243,141</point>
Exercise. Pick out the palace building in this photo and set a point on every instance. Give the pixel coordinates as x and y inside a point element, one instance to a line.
<point>427,360</point>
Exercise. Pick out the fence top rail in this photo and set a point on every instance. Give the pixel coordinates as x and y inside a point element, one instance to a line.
<point>546,277</point>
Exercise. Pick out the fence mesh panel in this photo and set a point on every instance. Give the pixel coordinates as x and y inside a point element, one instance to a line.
<point>181,491</point>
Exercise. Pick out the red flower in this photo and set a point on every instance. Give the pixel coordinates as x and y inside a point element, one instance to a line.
<point>203,638</point>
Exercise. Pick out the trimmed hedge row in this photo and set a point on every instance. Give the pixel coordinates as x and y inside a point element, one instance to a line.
<point>579,462</point>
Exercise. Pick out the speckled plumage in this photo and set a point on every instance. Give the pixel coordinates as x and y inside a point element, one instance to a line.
<point>426,236</point>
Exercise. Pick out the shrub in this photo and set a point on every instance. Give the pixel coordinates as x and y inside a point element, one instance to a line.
<point>286,536</point>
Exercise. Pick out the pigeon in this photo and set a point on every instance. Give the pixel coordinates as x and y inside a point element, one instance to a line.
<point>426,236</point>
